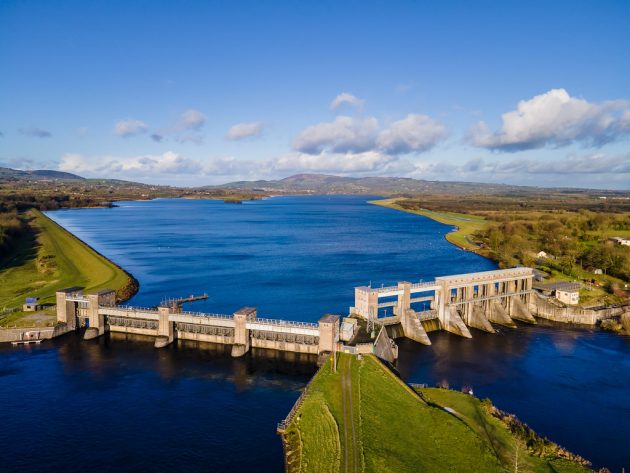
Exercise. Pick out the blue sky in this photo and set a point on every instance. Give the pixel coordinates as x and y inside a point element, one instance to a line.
<point>191,92</point>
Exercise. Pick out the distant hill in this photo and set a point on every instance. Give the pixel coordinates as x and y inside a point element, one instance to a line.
<point>329,184</point>
<point>38,175</point>
<point>8,174</point>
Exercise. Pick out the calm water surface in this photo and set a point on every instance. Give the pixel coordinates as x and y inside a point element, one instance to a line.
<point>119,405</point>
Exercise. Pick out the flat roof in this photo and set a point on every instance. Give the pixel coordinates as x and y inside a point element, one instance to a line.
<point>566,286</point>
<point>71,289</point>
<point>496,273</point>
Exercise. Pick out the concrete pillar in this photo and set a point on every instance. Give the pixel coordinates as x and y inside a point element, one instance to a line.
<point>328,333</point>
<point>366,302</point>
<point>96,322</point>
<point>166,330</point>
<point>528,287</point>
<point>441,295</point>
<point>66,310</point>
<point>404,298</point>
<point>241,334</point>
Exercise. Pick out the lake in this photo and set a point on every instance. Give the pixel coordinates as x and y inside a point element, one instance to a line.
<point>119,404</point>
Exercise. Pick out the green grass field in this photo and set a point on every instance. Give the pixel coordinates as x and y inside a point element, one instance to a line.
<point>381,425</point>
<point>466,224</point>
<point>50,258</point>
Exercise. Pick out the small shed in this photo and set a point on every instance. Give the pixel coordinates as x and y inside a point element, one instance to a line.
<point>569,293</point>
<point>31,304</point>
<point>598,271</point>
<point>541,254</point>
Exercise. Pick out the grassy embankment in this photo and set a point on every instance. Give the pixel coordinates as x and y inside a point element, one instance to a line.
<point>363,418</point>
<point>467,225</point>
<point>48,258</point>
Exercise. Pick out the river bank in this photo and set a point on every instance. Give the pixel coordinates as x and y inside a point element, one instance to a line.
<point>357,415</point>
<point>49,258</point>
<point>465,225</point>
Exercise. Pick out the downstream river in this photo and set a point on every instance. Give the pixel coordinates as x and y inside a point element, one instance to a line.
<point>118,404</point>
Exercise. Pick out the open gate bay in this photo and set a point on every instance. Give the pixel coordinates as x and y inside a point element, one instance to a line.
<point>191,405</point>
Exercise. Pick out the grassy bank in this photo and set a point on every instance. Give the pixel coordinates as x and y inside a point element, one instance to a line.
<point>48,258</point>
<point>467,225</point>
<point>363,418</point>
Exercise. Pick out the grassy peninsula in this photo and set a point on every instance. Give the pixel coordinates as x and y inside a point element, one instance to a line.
<point>364,418</point>
<point>46,258</point>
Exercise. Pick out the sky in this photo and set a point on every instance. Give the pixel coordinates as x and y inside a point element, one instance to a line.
<point>206,92</point>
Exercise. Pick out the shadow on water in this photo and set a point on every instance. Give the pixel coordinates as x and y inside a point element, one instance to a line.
<point>118,404</point>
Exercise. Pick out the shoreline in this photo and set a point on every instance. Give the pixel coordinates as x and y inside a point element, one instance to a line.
<point>128,290</point>
<point>50,257</point>
<point>461,241</point>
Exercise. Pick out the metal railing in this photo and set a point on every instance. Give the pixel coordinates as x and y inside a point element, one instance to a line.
<point>420,285</point>
<point>283,424</point>
<point>206,314</point>
<point>285,323</point>
<point>129,308</point>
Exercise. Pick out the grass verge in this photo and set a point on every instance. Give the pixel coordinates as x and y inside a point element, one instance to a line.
<point>49,258</point>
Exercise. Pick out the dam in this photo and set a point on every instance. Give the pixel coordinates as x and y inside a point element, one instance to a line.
<point>454,303</point>
<point>451,303</point>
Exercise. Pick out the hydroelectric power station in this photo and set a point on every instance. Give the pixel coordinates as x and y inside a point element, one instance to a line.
<point>452,303</point>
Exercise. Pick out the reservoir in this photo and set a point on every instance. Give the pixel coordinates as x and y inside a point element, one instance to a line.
<point>118,404</point>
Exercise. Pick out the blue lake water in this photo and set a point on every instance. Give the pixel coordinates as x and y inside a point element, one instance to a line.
<point>117,404</point>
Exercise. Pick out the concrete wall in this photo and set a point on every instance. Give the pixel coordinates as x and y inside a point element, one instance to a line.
<point>575,315</point>
<point>284,346</point>
<point>18,334</point>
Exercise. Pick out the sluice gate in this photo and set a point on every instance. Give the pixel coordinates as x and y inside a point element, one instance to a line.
<point>454,303</point>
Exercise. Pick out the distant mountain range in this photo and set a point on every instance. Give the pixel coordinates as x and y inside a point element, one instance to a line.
<point>321,184</point>
<point>329,184</point>
<point>38,175</point>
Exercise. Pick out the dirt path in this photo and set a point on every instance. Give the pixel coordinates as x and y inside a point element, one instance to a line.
<point>350,439</point>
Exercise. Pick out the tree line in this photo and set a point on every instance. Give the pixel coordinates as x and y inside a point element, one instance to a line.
<point>572,240</point>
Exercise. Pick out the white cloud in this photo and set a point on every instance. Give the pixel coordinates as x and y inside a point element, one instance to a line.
<point>414,133</point>
<point>166,163</point>
<point>598,163</point>
<point>186,130</point>
<point>346,98</point>
<point>368,162</point>
<point>191,120</point>
<point>240,131</point>
<point>343,135</point>
<point>130,127</point>
<point>556,119</point>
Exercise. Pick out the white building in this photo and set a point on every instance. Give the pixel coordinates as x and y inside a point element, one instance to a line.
<point>621,241</point>
<point>568,293</point>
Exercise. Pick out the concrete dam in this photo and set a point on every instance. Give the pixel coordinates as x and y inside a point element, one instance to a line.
<point>451,303</point>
